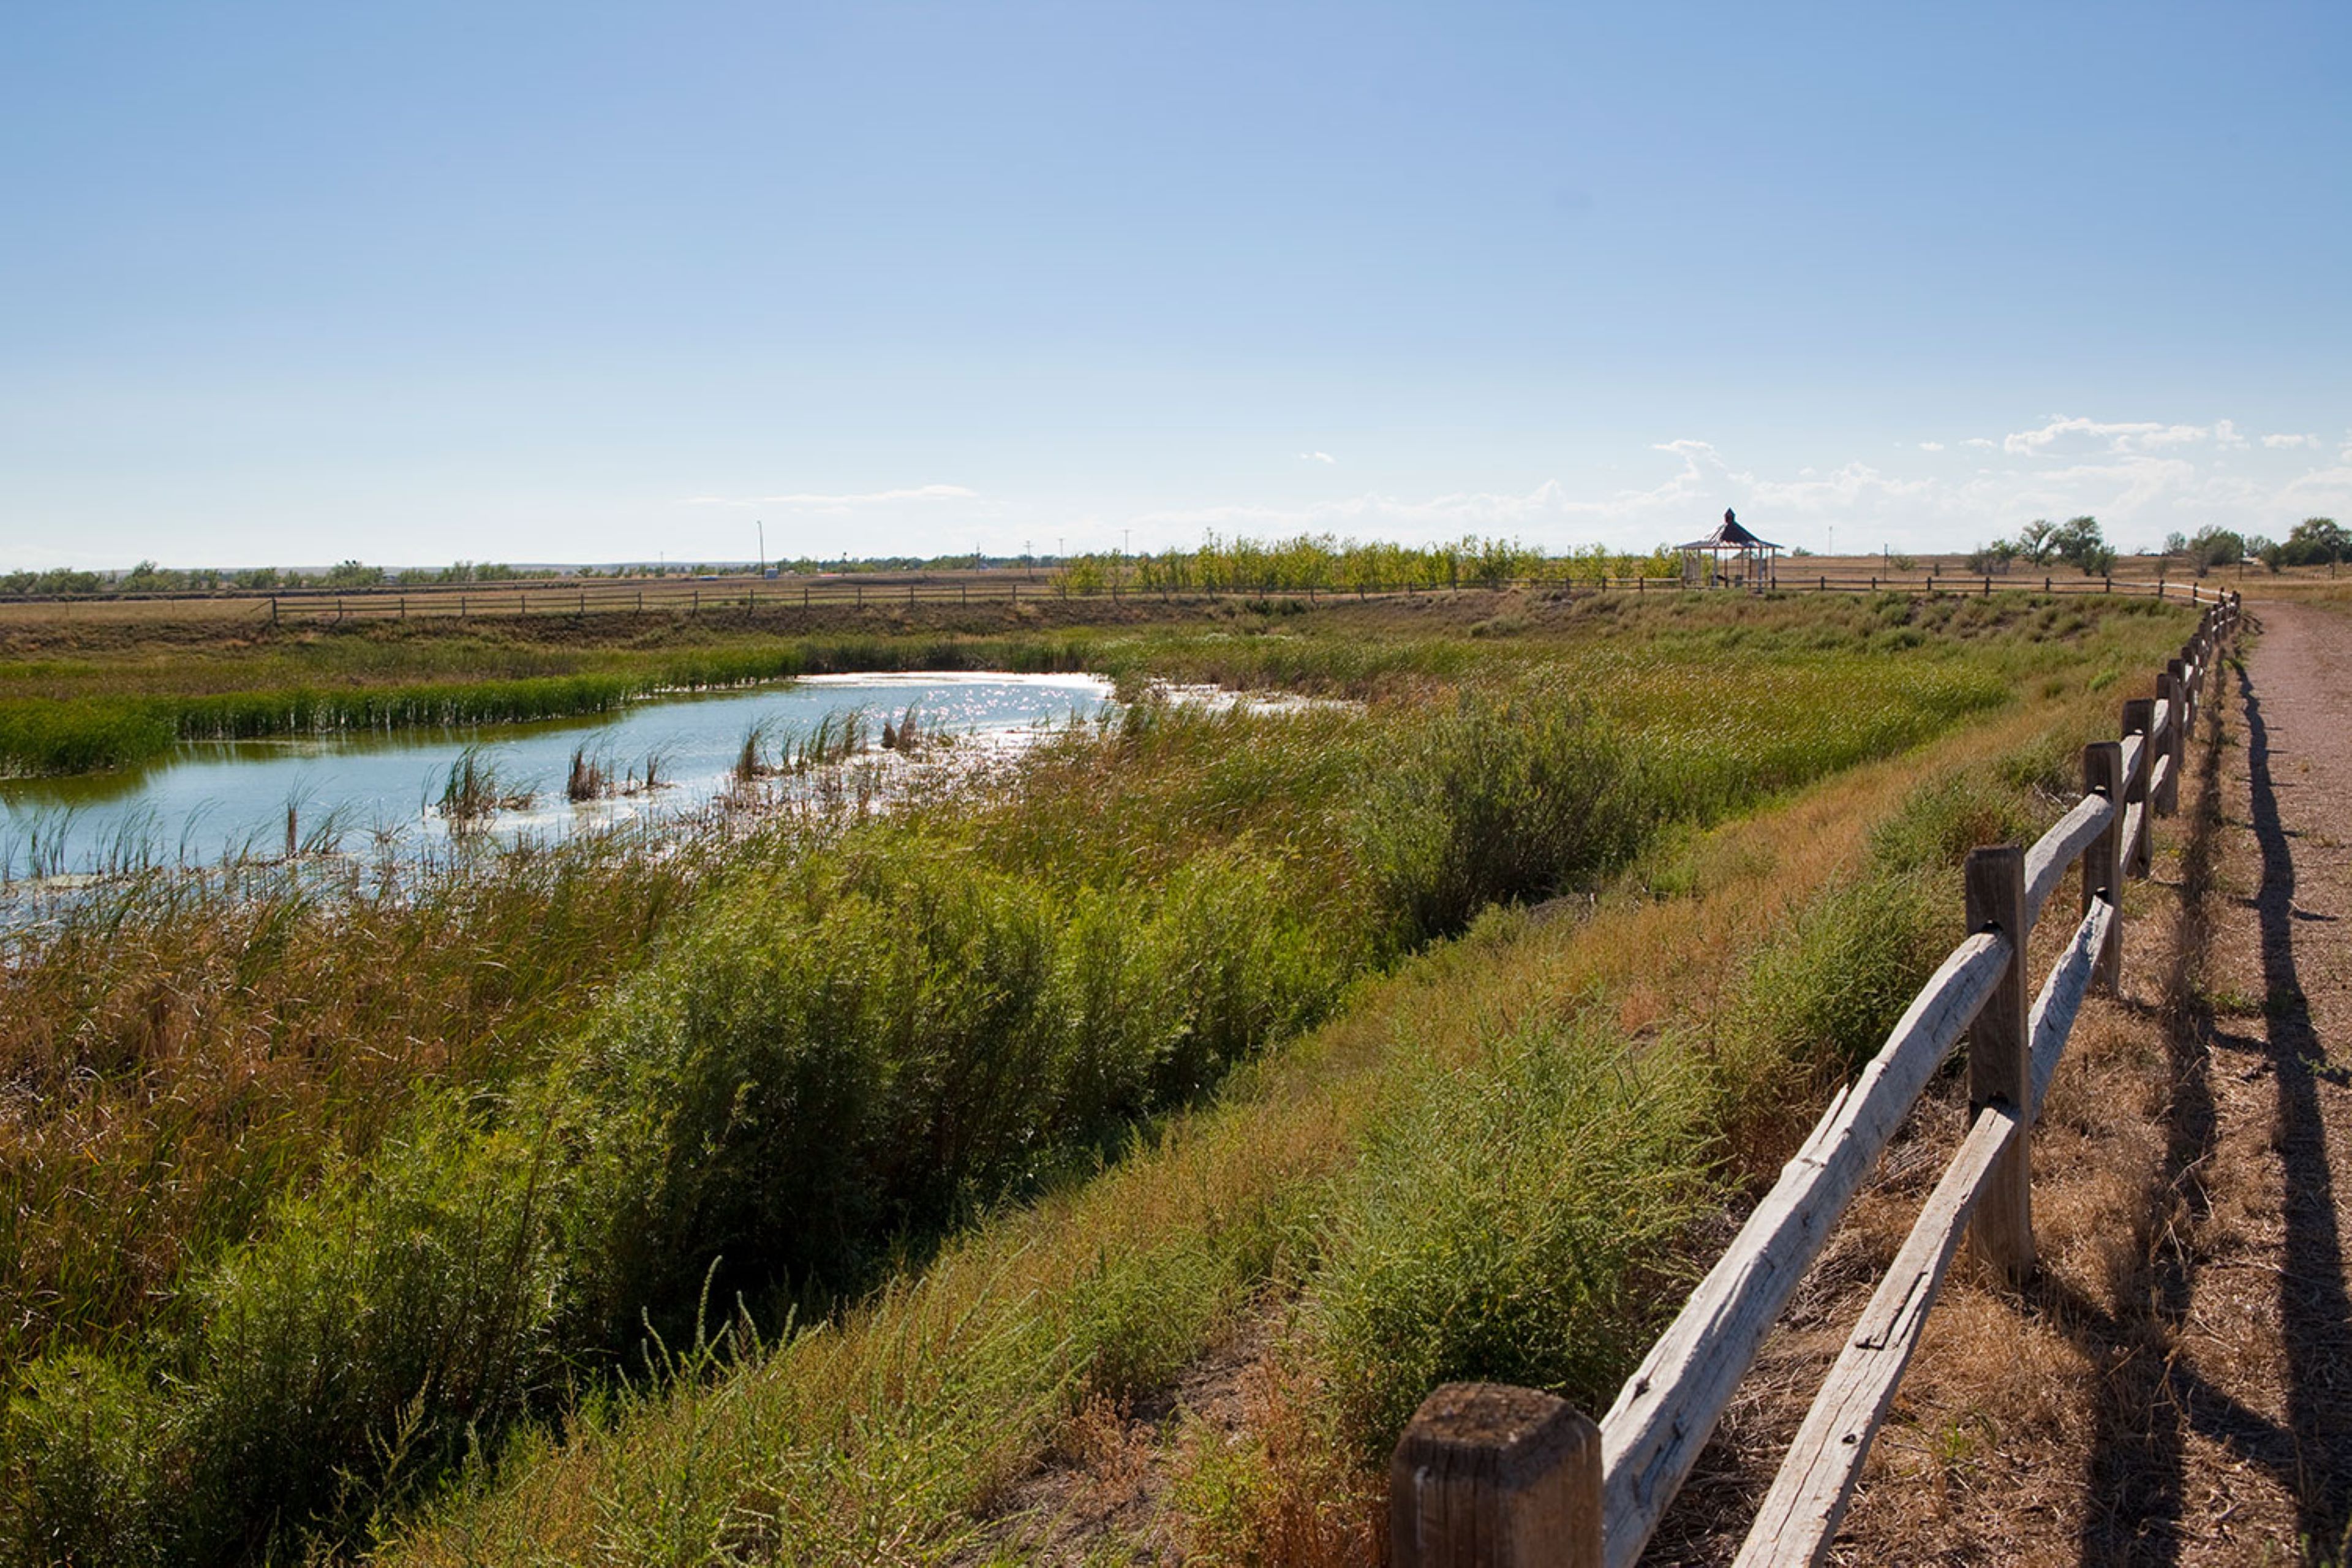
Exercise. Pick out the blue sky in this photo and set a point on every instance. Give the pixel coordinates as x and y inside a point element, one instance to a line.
<point>594,281</point>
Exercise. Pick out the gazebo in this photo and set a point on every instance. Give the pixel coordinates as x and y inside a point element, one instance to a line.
<point>1730,556</point>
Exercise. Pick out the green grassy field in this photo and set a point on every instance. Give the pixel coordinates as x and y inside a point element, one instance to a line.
<point>333,1219</point>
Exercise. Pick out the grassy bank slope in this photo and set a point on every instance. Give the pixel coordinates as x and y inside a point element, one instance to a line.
<point>827,1051</point>
<point>1542,1103</point>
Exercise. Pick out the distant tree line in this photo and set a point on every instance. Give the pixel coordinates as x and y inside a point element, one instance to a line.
<point>1309,562</point>
<point>2076,543</point>
<point>2313,541</point>
<point>147,577</point>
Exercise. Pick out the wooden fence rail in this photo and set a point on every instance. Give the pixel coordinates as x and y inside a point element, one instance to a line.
<point>1492,1475</point>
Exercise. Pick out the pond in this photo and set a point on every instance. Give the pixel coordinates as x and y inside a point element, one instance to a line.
<point>218,801</point>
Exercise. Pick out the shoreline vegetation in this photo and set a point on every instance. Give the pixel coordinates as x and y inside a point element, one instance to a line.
<point>45,731</point>
<point>788,1198</point>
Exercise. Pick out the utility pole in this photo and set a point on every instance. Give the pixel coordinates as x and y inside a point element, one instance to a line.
<point>762,566</point>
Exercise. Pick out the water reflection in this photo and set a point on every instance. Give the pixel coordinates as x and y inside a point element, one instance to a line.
<point>219,800</point>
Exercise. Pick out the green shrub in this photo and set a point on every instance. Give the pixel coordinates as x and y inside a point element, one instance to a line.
<point>1824,993</point>
<point>82,1466</point>
<point>380,1321</point>
<point>1507,1225</point>
<point>878,1040</point>
<point>1498,801</point>
<point>350,1354</point>
<point>1939,822</point>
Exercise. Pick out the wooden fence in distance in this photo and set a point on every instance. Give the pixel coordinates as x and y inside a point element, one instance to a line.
<point>696,597</point>
<point>1511,1477</point>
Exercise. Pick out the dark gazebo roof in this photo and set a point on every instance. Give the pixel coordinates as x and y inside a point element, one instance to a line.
<point>1729,535</point>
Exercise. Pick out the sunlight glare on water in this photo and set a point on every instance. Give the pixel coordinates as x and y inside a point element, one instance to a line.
<point>221,799</point>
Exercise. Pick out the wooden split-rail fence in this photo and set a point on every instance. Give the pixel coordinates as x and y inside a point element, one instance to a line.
<point>1511,1478</point>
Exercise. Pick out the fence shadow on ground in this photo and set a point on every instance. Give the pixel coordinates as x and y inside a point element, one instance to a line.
<point>2152,1401</point>
<point>2314,1310</point>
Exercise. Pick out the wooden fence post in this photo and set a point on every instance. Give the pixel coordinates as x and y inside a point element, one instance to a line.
<point>1489,1476</point>
<point>2167,692</point>
<point>2179,669</point>
<point>2139,712</point>
<point>2102,773</point>
<point>2000,1062</point>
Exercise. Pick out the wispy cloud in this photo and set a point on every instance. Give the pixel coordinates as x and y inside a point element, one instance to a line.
<point>2075,435</point>
<point>1931,445</point>
<point>2282,443</point>
<point>803,500</point>
<point>1316,457</point>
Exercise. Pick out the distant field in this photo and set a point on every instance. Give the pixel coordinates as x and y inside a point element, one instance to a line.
<point>745,592</point>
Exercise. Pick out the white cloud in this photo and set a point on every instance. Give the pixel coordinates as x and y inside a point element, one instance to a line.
<point>1937,446</point>
<point>1316,457</point>
<point>2075,434</point>
<point>1979,443</point>
<point>2322,491</point>
<point>2064,435</point>
<point>2280,443</point>
<point>806,501</point>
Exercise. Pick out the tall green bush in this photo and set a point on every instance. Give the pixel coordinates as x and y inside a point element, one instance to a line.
<point>1499,800</point>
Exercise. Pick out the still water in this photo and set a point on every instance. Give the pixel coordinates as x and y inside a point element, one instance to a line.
<point>214,801</point>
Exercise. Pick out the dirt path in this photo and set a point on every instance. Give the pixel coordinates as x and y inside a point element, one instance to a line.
<point>2248,1421</point>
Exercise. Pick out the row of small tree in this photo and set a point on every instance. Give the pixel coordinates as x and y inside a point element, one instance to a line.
<point>2078,543</point>
<point>147,577</point>
<point>2313,541</point>
<point>1313,563</point>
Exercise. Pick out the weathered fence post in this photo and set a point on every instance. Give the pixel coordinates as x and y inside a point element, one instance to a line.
<point>1489,1476</point>
<point>2139,712</point>
<point>2167,692</point>
<point>2000,1062</point>
<point>2102,773</point>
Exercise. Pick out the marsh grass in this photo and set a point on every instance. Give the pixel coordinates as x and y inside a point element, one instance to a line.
<point>475,791</point>
<point>590,777</point>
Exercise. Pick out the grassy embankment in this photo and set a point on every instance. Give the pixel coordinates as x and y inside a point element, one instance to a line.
<point>1481,1170</point>
<point>837,1048</point>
